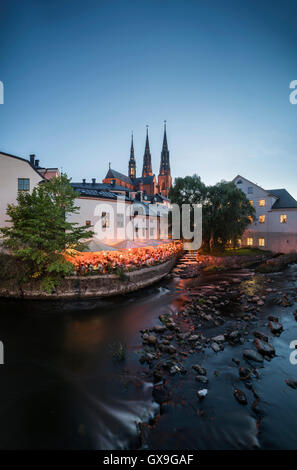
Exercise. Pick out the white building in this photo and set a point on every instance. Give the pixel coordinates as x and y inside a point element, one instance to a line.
<point>18,174</point>
<point>116,216</point>
<point>275,224</point>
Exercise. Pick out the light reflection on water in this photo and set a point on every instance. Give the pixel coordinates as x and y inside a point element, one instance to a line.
<point>61,387</point>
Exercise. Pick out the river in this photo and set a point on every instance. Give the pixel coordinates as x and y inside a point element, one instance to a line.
<point>72,377</point>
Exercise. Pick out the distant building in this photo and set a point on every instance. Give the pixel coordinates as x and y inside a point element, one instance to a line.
<point>18,174</point>
<point>275,224</point>
<point>147,183</point>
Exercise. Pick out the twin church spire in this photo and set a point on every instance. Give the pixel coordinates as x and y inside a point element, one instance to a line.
<point>147,158</point>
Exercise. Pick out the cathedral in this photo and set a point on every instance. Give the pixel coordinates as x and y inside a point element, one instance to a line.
<point>147,183</point>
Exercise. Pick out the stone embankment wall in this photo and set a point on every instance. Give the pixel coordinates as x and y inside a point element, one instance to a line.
<point>80,287</point>
<point>282,260</point>
<point>231,262</point>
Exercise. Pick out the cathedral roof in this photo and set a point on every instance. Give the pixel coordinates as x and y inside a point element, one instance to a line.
<point>117,175</point>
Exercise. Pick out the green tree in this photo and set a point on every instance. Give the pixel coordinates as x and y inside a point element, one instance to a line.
<point>226,214</point>
<point>226,210</point>
<point>40,231</point>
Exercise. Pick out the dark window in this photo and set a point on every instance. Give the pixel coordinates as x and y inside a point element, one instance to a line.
<point>23,184</point>
<point>88,222</point>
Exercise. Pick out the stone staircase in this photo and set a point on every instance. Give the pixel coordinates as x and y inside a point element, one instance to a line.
<point>186,263</point>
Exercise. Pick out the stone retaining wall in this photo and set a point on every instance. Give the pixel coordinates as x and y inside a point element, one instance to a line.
<point>232,262</point>
<point>80,287</point>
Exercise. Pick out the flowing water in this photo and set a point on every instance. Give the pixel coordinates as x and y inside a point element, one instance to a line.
<point>72,377</point>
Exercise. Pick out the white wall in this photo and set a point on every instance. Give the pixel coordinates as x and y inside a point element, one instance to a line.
<point>278,237</point>
<point>10,170</point>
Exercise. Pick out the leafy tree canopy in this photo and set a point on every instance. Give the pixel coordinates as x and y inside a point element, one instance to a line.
<point>40,230</point>
<point>226,210</point>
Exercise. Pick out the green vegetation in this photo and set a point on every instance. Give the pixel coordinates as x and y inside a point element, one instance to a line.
<point>119,351</point>
<point>235,252</point>
<point>269,268</point>
<point>214,269</point>
<point>226,210</point>
<point>40,232</point>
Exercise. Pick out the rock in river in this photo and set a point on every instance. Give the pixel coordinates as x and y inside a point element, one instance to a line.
<point>291,383</point>
<point>244,373</point>
<point>264,348</point>
<point>275,327</point>
<point>202,393</point>
<point>240,396</point>
<point>216,347</point>
<point>252,355</point>
<point>202,379</point>
<point>201,370</point>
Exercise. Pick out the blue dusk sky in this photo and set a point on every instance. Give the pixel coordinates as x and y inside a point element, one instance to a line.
<point>79,76</point>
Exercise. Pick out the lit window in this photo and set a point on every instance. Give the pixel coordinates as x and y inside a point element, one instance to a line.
<point>250,241</point>
<point>250,190</point>
<point>105,220</point>
<point>23,184</point>
<point>262,203</point>
<point>261,241</point>
<point>250,219</point>
<point>251,203</point>
<point>261,219</point>
<point>283,218</point>
<point>120,220</point>
<point>239,241</point>
<point>88,223</point>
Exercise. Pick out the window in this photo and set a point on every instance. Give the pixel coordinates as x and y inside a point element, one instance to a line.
<point>120,220</point>
<point>88,223</point>
<point>262,203</point>
<point>23,184</point>
<point>251,203</point>
<point>261,241</point>
<point>283,218</point>
<point>105,220</point>
<point>152,232</point>
<point>250,219</point>
<point>239,181</point>
<point>250,241</point>
<point>261,219</point>
<point>250,190</point>
<point>239,241</point>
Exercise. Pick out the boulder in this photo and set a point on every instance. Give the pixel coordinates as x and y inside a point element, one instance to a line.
<point>252,355</point>
<point>201,370</point>
<point>275,327</point>
<point>202,379</point>
<point>219,339</point>
<point>202,393</point>
<point>264,348</point>
<point>240,396</point>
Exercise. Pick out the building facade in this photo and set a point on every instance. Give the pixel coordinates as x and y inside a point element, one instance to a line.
<point>275,224</point>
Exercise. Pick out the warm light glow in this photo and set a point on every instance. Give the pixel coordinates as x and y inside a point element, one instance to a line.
<point>261,219</point>
<point>262,203</point>
<point>250,241</point>
<point>107,262</point>
<point>283,218</point>
<point>261,241</point>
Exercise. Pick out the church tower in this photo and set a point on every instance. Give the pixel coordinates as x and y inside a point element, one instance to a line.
<point>164,178</point>
<point>147,159</point>
<point>132,163</point>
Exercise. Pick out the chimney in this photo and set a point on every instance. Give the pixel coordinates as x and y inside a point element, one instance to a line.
<point>84,180</point>
<point>37,163</point>
<point>32,159</point>
<point>93,181</point>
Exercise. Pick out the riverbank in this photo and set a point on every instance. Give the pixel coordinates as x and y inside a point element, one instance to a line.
<point>95,286</point>
<point>208,360</point>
